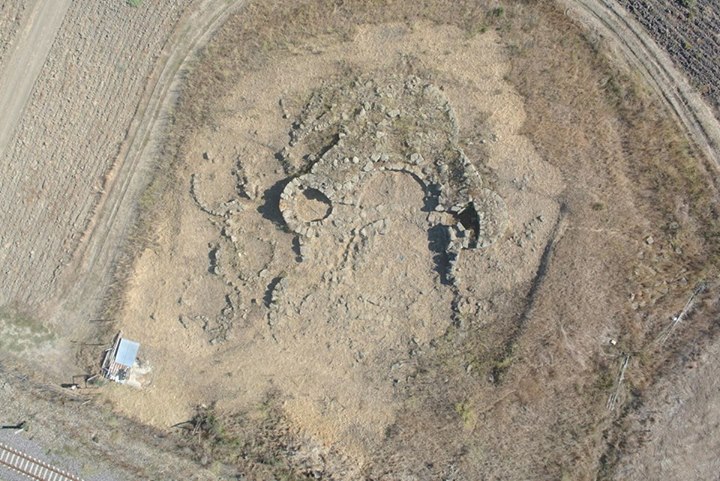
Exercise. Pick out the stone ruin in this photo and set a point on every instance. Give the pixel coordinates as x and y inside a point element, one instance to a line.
<point>346,134</point>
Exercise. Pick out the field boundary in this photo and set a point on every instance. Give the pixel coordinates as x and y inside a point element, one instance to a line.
<point>102,242</point>
<point>643,55</point>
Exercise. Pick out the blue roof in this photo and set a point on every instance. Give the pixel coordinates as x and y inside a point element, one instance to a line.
<point>127,352</point>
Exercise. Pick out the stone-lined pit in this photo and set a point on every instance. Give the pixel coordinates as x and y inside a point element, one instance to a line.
<point>312,205</point>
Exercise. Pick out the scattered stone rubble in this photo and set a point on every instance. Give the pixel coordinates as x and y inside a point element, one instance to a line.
<point>216,328</point>
<point>348,133</point>
<point>343,137</point>
<point>223,210</point>
<point>276,306</point>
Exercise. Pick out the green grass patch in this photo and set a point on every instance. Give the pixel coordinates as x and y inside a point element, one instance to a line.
<point>19,331</point>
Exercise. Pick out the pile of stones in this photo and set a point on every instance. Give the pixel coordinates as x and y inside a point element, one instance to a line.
<point>346,133</point>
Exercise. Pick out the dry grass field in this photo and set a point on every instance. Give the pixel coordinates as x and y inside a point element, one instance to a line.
<point>356,326</point>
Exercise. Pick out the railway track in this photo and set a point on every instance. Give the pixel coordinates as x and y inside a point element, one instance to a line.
<point>32,468</point>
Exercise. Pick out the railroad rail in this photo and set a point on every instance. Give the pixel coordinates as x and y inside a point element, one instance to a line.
<point>32,468</point>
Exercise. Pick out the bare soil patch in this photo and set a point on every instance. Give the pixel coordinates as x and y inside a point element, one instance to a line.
<point>12,14</point>
<point>98,98</point>
<point>382,354</point>
<point>344,297</point>
<point>674,434</point>
<point>88,120</point>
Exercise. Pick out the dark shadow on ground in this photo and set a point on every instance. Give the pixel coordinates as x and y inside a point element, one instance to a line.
<point>270,208</point>
<point>438,240</point>
<point>500,367</point>
<point>296,248</point>
<point>267,298</point>
<point>214,259</point>
<point>432,194</point>
<point>470,220</point>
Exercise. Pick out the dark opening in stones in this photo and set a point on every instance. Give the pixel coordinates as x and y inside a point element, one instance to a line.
<point>312,205</point>
<point>214,257</point>
<point>469,219</point>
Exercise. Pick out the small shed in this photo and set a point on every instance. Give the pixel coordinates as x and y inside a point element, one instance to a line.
<point>119,359</point>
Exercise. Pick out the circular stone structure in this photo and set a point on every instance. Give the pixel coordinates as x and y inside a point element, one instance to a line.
<point>294,199</point>
<point>348,132</point>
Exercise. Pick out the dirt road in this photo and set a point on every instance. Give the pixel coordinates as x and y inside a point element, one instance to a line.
<point>85,95</point>
<point>91,270</point>
<point>688,32</point>
<point>642,55</point>
<point>68,137</point>
<point>680,418</point>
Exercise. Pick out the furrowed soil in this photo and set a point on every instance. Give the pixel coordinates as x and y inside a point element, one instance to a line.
<point>88,118</point>
<point>12,14</point>
<point>76,80</point>
<point>352,355</point>
<point>100,90</point>
<point>688,31</point>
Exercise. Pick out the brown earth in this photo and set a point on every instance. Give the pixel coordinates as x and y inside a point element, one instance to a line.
<point>12,14</point>
<point>674,434</point>
<point>51,188</point>
<point>78,209</point>
<point>78,435</point>
<point>36,25</point>
<point>667,449</point>
<point>631,44</point>
<point>688,30</point>
<point>393,299</point>
<point>527,346</point>
<point>367,351</point>
<point>93,101</point>
<point>71,171</point>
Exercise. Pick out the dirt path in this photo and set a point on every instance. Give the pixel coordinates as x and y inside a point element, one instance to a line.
<point>642,54</point>
<point>91,271</point>
<point>69,136</point>
<point>25,62</point>
<point>688,32</point>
